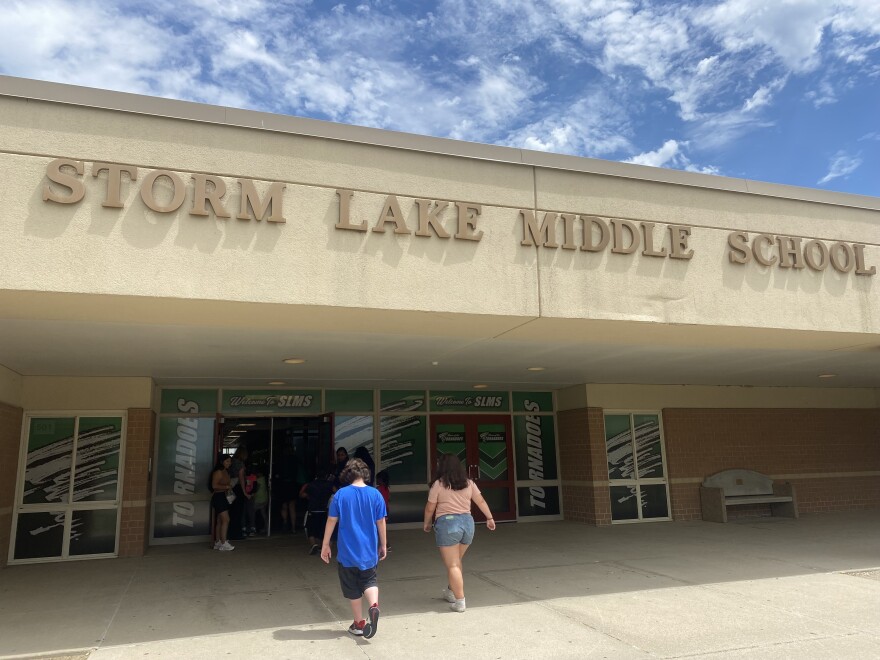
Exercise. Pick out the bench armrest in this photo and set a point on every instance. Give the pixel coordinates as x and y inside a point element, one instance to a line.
<point>785,488</point>
<point>712,504</point>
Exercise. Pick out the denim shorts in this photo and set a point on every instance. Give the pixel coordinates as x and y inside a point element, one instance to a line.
<point>454,528</point>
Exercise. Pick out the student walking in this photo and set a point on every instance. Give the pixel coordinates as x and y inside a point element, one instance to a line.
<point>360,512</point>
<point>449,508</point>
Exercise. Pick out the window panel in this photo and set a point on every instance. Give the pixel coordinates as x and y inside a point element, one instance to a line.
<point>624,503</point>
<point>93,532</point>
<point>654,501</point>
<point>97,459</point>
<point>49,459</point>
<point>618,446</point>
<point>649,455</point>
<point>39,535</point>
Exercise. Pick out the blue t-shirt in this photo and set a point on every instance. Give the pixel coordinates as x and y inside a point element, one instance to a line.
<point>358,508</point>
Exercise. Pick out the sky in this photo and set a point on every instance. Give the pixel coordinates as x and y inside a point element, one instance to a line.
<point>785,91</point>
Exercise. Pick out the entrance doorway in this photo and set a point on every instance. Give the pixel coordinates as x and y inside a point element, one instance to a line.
<point>483,444</point>
<point>288,452</point>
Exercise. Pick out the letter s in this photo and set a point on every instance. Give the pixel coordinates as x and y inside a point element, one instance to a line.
<point>55,175</point>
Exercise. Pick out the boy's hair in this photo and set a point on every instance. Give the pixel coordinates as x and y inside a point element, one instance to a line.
<point>354,469</point>
<point>450,472</point>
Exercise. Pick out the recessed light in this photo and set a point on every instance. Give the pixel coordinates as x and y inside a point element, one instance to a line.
<point>274,382</point>
<point>480,387</point>
<point>827,375</point>
<point>293,361</point>
<point>435,363</point>
<point>536,368</point>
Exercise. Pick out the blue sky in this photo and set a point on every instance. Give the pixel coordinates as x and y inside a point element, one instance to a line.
<point>786,91</point>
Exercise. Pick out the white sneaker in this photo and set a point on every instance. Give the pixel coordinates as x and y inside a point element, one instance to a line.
<point>217,545</point>
<point>448,596</point>
<point>226,547</point>
<point>457,605</point>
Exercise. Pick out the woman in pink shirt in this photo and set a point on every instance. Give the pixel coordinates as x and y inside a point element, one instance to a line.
<point>449,508</point>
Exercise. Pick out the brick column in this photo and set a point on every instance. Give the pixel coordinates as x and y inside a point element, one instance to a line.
<point>583,466</point>
<point>10,442</point>
<point>133,526</point>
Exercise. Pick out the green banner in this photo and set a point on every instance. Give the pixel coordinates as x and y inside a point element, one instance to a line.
<point>533,402</point>
<point>271,401</point>
<point>189,402</point>
<point>538,501</point>
<point>452,439</point>
<point>492,443</point>
<point>185,457</point>
<point>535,440</point>
<point>469,402</point>
<point>402,401</point>
<point>346,401</point>
<point>403,448</point>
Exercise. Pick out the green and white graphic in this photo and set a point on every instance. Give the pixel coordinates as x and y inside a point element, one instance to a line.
<point>403,449</point>
<point>402,401</point>
<point>294,402</point>
<point>533,402</point>
<point>185,457</point>
<point>469,402</point>
<point>451,439</point>
<point>538,501</point>
<point>354,431</point>
<point>189,402</point>
<point>49,460</point>
<point>493,451</point>
<point>535,441</point>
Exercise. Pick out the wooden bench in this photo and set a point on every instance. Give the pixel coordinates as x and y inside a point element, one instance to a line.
<point>737,487</point>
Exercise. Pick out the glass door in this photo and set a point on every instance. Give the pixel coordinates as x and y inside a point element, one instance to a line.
<point>636,467</point>
<point>69,488</point>
<point>483,444</point>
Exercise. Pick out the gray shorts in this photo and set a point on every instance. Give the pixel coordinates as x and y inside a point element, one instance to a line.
<point>454,529</point>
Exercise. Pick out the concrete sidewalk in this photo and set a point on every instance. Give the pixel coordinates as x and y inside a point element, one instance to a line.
<point>760,588</point>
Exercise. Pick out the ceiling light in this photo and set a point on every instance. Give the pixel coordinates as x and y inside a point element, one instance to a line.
<point>275,382</point>
<point>246,424</point>
<point>435,363</point>
<point>480,387</point>
<point>536,368</point>
<point>827,375</point>
<point>293,361</point>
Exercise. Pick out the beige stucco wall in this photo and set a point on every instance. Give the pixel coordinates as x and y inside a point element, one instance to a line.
<point>134,251</point>
<point>50,393</point>
<point>10,387</point>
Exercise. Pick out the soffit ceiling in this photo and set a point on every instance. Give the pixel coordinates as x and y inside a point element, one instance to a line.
<point>179,342</point>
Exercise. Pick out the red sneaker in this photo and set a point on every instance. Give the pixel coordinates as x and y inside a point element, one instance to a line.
<point>372,626</point>
<point>357,628</point>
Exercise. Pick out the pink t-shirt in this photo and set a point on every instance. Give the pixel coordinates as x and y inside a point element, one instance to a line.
<point>452,501</point>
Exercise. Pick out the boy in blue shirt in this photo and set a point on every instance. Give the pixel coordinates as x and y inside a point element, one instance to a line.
<point>360,512</point>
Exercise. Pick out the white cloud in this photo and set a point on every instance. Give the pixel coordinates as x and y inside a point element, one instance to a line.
<point>657,158</point>
<point>791,29</point>
<point>671,154</point>
<point>593,126</point>
<point>575,76</point>
<point>841,165</point>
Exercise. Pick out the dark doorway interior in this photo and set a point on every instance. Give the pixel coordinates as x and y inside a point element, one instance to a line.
<point>283,453</point>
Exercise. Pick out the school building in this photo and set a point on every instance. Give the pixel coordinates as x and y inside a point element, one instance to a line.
<point>592,338</point>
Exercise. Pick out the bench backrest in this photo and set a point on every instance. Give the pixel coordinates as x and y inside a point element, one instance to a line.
<point>740,482</point>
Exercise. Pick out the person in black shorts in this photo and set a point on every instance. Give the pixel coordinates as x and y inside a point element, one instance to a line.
<point>317,492</point>
<point>220,487</point>
<point>360,512</point>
